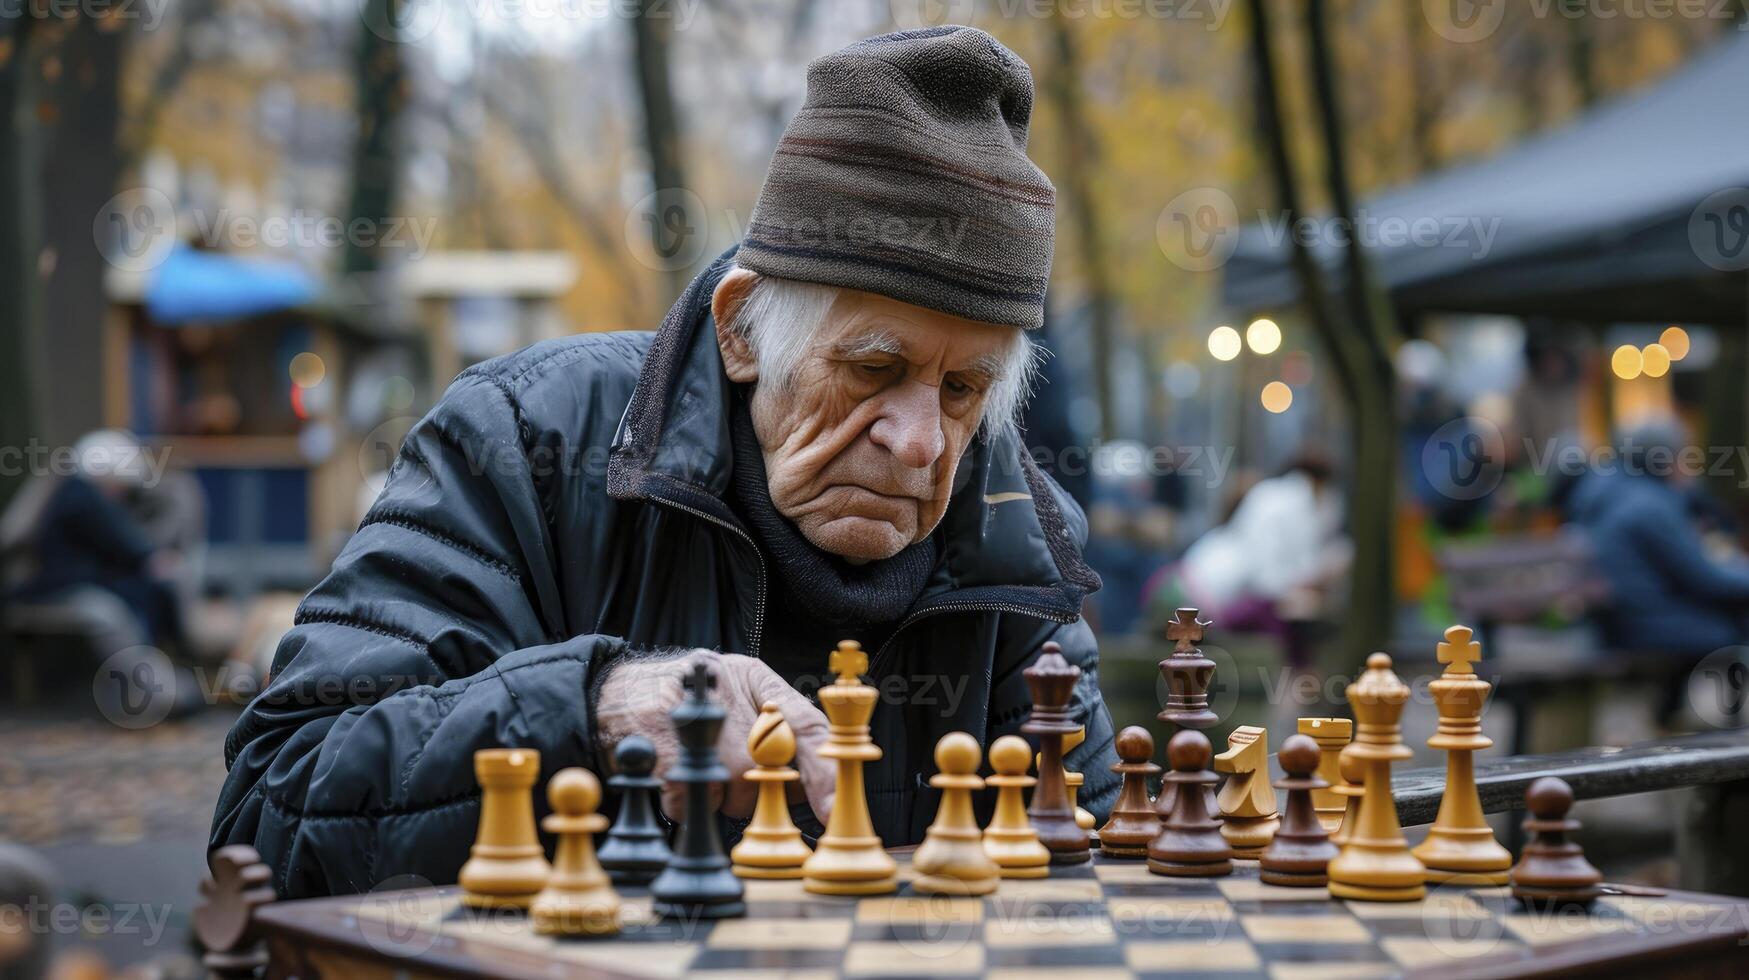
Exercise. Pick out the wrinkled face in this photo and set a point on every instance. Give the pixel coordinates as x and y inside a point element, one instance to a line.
<point>861,446</point>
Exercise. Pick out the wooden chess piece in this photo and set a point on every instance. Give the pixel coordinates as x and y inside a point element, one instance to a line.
<point>1301,851</point>
<point>1188,675</point>
<point>1010,840</point>
<point>771,846</point>
<point>507,866</point>
<point>849,859</point>
<point>578,900</point>
<point>1248,815</point>
<point>225,922</point>
<point>1051,680</point>
<point>1133,824</point>
<point>1460,844</point>
<point>1190,844</point>
<point>951,860</point>
<point>1353,776</point>
<point>1075,780</point>
<point>1553,873</point>
<point>636,848</point>
<point>697,884</point>
<point>1331,734</point>
<point>1375,864</point>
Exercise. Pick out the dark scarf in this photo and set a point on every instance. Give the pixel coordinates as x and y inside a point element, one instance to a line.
<point>812,586</point>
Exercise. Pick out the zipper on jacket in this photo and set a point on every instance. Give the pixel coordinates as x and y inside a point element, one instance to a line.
<point>758,633</point>
<point>880,655</point>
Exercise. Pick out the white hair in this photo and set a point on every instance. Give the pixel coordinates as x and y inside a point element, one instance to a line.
<point>782,318</point>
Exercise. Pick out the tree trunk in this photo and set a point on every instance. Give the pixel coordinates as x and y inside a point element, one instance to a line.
<point>1373,500</point>
<point>1365,390</point>
<point>381,95</point>
<point>651,39</point>
<point>1581,51</point>
<point>81,165</point>
<point>20,284</point>
<point>1079,164</point>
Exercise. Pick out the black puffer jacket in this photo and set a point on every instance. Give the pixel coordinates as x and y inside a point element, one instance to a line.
<point>564,504</point>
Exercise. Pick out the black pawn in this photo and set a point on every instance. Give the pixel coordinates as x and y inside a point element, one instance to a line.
<point>1190,844</point>
<point>1301,851</point>
<point>636,848</point>
<point>1552,873</point>
<point>697,882</point>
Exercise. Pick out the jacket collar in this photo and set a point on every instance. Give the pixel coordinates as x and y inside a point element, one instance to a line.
<point>1007,540</point>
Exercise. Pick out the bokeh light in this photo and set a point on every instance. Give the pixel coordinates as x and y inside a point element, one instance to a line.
<point>1655,361</point>
<point>1224,343</point>
<point>1627,362</point>
<point>1675,340</point>
<point>307,370</point>
<point>1263,336</point>
<point>1277,397</point>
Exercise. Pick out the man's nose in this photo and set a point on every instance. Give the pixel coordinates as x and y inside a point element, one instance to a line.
<point>910,425</point>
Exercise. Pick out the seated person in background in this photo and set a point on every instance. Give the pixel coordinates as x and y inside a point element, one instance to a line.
<point>1268,567</point>
<point>1668,593</point>
<point>84,536</point>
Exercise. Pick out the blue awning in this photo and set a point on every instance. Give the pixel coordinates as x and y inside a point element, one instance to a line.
<point>191,286</point>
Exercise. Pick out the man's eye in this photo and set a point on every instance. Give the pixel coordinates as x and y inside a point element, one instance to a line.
<point>958,389</point>
<point>875,370</point>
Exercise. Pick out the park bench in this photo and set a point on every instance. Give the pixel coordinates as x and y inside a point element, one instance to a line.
<point>1521,579</point>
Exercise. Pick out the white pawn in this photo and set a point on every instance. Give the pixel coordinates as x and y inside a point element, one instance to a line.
<point>578,899</point>
<point>951,860</point>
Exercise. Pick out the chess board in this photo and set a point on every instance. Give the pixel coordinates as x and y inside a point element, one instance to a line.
<point>1107,918</point>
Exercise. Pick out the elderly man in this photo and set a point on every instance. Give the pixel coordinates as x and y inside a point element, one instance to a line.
<point>817,444</point>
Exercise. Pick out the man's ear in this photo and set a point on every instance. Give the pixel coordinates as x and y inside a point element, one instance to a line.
<point>738,360</point>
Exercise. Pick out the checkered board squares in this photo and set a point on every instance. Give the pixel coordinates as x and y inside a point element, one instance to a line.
<point>1108,918</point>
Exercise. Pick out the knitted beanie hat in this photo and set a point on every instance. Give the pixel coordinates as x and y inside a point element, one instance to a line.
<point>905,173</point>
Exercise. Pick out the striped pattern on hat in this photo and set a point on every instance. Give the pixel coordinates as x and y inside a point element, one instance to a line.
<point>905,173</point>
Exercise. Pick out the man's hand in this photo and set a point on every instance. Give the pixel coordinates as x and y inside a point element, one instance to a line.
<point>638,695</point>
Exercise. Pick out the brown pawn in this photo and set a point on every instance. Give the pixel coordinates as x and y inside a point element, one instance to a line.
<point>1553,872</point>
<point>1051,681</point>
<point>578,899</point>
<point>1190,844</point>
<point>1301,848</point>
<point>1133,824</point>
